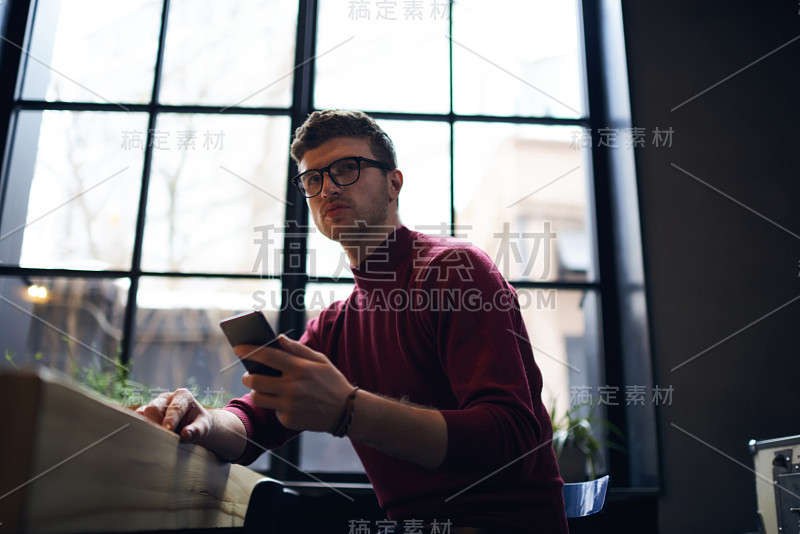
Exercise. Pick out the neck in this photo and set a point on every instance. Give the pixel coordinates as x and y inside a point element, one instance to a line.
<point>361,246</point>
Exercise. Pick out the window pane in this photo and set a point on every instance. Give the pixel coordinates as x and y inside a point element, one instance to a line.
<point>320,451</point>
<point>394,60</point>
<point>563,329</point>
<point>531,66</point>
<point>73,191</point>
<point>423,154</point>
<point>92,51</point>
<point>234,53</point>
<point>563,326</point>
<point>521,195</point>
<point>217,194</point>
<point>69,324</point>
<point>178,340</point>
<point>325,257</point>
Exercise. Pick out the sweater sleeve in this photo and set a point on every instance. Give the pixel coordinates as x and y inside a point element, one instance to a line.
<point>486,354</point>
<point>264,431</point>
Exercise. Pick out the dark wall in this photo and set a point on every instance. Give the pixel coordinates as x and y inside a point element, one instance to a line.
<point>721,278</point>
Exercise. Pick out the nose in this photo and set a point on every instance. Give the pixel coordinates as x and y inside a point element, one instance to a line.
<point>329,187</point>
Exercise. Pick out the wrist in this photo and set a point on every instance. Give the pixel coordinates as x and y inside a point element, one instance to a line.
<point>342,426</point>
<point>367,409</point>
<point>226,435</point>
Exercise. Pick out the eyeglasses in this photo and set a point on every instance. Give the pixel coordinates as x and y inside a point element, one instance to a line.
<point>342,172</point>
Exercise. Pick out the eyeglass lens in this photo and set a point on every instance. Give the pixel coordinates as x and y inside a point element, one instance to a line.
<point>343,172</point>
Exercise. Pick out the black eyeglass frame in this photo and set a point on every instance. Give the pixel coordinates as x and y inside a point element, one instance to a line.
<point>327,170</point>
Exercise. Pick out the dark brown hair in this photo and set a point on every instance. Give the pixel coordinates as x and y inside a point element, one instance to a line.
<point>322,126</point>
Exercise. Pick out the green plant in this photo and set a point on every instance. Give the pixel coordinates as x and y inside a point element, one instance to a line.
<point>574,429</point>
<point>110,379</point>
<point>11,356</point>
<point>112,383</point>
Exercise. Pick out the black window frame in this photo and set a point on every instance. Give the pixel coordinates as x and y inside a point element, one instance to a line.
<point>16,21</point>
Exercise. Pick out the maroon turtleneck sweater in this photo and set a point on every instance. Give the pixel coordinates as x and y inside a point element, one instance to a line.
<point>432,320</point>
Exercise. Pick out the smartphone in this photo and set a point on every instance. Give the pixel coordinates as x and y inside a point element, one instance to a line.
<point>250,328</point>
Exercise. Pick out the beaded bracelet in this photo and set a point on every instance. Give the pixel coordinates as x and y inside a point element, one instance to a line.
<point>343,426</point>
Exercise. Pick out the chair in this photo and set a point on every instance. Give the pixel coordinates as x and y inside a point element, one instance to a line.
<point>585,498</point>
<point>272,506</point>
<point>271,509</point>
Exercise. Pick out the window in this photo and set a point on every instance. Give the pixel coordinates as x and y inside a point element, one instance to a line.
<point>145,191</point>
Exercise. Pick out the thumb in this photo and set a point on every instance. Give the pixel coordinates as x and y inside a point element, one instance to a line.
<point>295,348</point>
<point>195,431</point>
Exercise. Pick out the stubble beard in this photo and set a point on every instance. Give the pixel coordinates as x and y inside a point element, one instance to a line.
<point>366,223</point>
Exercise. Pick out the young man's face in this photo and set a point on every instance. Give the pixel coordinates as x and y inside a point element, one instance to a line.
<point>336,209</point>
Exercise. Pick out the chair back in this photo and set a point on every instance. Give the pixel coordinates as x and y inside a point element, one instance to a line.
<point>272,508</point>
<point>585,498</point>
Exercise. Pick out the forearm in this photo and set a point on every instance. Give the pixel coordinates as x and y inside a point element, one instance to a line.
<point>407,432</point>
<point>227,436</point>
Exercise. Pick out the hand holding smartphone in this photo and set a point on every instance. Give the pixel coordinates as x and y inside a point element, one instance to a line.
<point>250,328</point>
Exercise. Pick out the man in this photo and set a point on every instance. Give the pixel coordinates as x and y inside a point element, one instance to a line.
<point>447,415</point>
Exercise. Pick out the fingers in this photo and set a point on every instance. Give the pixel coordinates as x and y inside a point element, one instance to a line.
<point>156,409</point>
<point>282,356</point>
<point>246,351</point>
<point>179,404</point>
<point>266,385</point>
<point>295,348</point>
<point>270,356</point>
<point>180,412</point>
<point>196,430</point>
<point>268,402</point>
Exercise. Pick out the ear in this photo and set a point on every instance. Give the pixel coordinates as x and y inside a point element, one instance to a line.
<point>395,179</point>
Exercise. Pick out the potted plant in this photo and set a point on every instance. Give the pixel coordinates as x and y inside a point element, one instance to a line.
<point>576,443</point>
<point>110,381</point>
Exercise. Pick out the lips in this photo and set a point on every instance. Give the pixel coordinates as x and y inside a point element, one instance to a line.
<point>334,208</point>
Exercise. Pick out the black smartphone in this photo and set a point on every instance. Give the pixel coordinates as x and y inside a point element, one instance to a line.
<point>250,328</point>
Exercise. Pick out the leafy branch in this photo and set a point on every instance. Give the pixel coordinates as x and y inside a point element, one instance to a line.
<point>571,429</point>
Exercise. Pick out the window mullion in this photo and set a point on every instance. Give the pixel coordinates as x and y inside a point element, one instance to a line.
<point>136,262</point>
<point>295,243</point>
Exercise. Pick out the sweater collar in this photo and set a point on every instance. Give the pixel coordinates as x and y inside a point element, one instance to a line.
<point>381,265</point>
